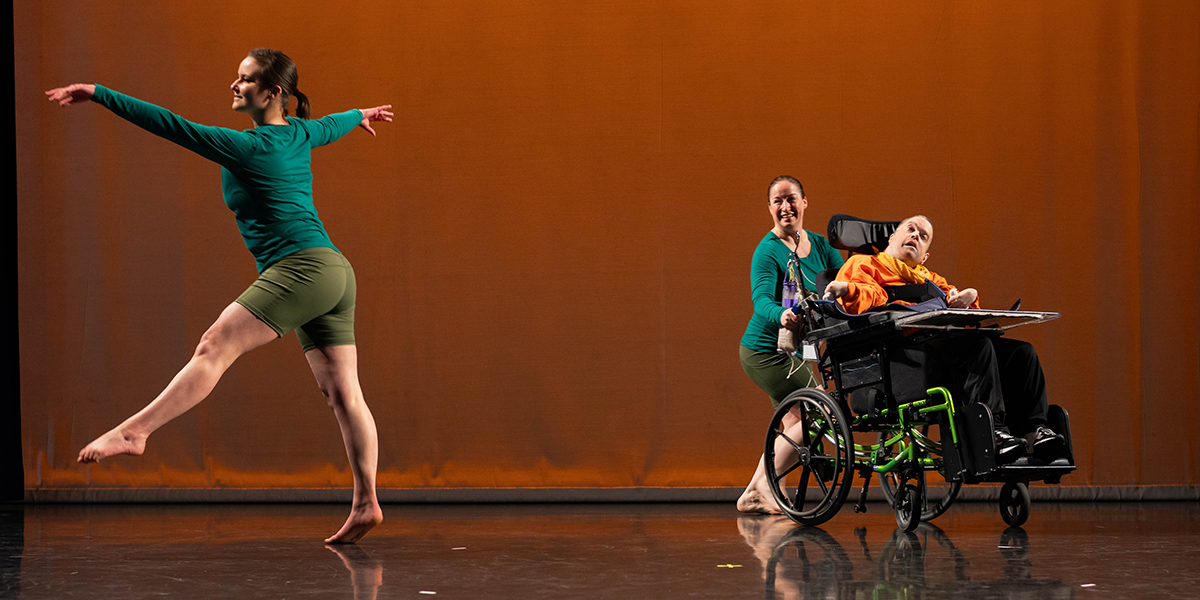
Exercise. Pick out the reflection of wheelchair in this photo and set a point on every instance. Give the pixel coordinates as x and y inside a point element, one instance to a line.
<point>921,564</point>
<point>871,364</point>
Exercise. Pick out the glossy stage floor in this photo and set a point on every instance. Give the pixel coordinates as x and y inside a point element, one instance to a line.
<point>1068,550</point>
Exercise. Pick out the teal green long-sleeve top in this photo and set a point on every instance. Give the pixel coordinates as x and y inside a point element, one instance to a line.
<point>266,173</point>
<point>766,284</point>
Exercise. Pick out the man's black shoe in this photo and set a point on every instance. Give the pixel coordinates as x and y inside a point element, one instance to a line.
<point>1008,448</point>
<point>1048,445</point>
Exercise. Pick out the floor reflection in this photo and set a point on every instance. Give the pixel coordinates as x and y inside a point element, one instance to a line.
<point>12,546</point>
<point>552,551</point>
<point>366,573</point>
<point>808,562</point>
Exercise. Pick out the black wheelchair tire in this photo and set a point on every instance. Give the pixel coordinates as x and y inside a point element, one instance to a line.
<point>829,462</point>
<point>908,503</point>
<point>1015,503</point>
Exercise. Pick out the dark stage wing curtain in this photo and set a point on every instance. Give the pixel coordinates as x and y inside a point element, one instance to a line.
<point>552,241</point>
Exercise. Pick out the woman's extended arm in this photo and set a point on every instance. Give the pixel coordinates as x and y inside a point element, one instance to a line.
<point>330,128</point>
<point>224,146</point>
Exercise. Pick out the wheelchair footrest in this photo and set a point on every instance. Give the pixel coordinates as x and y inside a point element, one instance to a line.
<point>1022,471</point>
<point>980,438</point>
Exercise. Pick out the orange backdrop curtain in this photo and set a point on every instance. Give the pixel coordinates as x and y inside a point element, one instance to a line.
<point>552,240</point>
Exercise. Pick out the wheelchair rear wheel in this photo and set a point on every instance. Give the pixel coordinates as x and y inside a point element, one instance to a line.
<point>821,449</point>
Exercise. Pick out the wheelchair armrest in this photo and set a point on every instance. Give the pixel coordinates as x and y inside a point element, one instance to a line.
<point>832,321</point>
<point>824,278</point>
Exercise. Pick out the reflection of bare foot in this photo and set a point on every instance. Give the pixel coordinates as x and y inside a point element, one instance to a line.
<point>116,441</point>
<point>361,520</point>
<point>762,534</point>
<point>366,573</point>
<point>754,501</point>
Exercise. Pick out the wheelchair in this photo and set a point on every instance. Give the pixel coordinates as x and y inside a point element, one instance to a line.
<point>878,390</point>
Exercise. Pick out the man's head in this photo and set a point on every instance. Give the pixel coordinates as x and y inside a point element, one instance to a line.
<point>911,240</point>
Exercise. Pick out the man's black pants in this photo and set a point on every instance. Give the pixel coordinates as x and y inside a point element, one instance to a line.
<point>1002,373</point>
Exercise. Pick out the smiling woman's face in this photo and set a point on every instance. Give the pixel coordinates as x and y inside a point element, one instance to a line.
<point>248,91</point>
<point>786,206</point>
<point>910,243</point>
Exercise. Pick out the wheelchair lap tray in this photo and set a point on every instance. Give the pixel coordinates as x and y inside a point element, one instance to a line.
<point>973,318</point>
<point>930,314</point>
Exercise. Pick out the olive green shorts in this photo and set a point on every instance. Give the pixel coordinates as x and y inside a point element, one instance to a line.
<point>311,291</point>
<point>770,370</point>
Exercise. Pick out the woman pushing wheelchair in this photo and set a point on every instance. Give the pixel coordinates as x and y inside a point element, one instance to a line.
<point>788,255</point>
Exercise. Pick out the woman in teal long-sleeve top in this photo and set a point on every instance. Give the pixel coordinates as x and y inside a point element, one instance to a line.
<point>779,374</point>
<point>304,283</point>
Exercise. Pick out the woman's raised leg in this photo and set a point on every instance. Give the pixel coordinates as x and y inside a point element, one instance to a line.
<point>236,332</point>
<point>336,370</point>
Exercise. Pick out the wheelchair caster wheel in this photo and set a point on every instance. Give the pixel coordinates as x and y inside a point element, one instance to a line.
<point>908,507</point>
<point>937,498</point>
<point>1015,503</point>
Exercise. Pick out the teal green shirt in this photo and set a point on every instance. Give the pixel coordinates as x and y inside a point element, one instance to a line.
<point>766,284</point>
<point>266,174</point>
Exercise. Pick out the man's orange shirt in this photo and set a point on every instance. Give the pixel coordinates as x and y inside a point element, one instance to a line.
<point>867,276</point>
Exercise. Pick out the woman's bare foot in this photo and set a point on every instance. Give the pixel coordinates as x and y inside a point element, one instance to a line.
<point>754,501</point>
<point>361,520</point>
<point>116,441</point>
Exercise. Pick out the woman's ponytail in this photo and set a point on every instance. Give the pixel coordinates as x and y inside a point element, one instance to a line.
<point>279,70</point>
<point>303,108</point>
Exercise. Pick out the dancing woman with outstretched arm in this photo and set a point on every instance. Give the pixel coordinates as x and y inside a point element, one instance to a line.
<point>304,283</point>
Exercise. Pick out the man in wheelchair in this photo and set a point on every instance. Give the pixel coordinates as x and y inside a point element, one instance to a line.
<point>1001,373</point>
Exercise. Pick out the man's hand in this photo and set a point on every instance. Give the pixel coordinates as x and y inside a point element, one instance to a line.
<point>75,93</point>
<point>377,113</point>
<point>963,299</point>
<point>835,290</point>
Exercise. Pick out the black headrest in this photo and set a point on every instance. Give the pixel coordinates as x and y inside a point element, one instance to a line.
<point>859,236</point>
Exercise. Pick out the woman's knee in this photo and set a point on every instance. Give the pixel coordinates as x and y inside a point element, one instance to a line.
<point>236,332</point>
<point>334,398</point>
<point>338,392</point>
<point>213,345</point>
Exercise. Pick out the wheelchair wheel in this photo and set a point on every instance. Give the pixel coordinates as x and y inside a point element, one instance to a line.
<point>810,559</point>
<point>822,452</point>
<point>936,499</point>
<point>908,506</point>
<point>1015,503</point>
<point>901,562</point>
